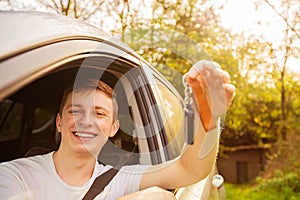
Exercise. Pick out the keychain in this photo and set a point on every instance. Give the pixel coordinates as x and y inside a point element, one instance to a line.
<point>211,137</point>
<point>188,112</point>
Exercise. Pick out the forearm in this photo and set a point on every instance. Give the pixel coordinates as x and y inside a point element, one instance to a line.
<point>198,159</point>
<point>193,165</point>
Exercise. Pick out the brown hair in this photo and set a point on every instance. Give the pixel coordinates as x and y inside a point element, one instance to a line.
<point>91,84</point>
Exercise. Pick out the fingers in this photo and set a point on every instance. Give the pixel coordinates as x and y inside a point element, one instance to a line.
<point>213,91</point>
<point>230,93</point>
<point>201,66</point>
<point>204,67</point>
<point>225,76</point>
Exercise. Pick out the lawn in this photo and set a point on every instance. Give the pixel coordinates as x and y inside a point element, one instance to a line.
<point>236,192</point>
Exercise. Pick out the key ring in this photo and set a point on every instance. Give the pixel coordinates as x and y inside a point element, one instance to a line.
<point>188,92</point>
<point>188,112</point>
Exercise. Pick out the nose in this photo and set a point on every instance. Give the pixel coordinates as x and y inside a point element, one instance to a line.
<point>86,119</point>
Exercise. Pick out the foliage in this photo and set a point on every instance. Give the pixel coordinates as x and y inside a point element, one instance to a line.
<point>254,115</point>
<point>281,187</point>
<point>174,45</point>
<point>287,186</point>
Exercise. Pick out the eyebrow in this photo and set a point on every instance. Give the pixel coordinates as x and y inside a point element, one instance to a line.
<point>71,105</point>
<point>78,105</point>
<point>101,108</point>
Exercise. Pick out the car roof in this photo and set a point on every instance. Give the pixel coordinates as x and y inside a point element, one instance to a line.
<point>27,33</point>
<point>22,30</point>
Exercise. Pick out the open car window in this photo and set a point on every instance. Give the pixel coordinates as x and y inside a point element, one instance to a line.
<point>28,115</point>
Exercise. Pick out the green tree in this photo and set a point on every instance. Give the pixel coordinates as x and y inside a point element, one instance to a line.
<point>176,36</point>
<point>288,12</point>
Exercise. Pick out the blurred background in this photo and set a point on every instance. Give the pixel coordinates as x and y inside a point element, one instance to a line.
<point>256,41</point>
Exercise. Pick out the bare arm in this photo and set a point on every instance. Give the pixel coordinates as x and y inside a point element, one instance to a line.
<point>213,94</point>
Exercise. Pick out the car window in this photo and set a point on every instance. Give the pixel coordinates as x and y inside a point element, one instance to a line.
<point>10,119</point>
<point>171,111</point>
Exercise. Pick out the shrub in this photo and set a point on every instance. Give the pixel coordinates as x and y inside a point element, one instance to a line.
<point>281,187</point>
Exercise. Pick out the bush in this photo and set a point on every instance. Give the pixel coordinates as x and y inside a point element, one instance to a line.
<point>281,187</point>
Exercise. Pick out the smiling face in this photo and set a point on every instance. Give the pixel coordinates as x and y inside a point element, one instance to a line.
<point>86,121</point>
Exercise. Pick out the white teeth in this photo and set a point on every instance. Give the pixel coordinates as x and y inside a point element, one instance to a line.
<point>84,135</point>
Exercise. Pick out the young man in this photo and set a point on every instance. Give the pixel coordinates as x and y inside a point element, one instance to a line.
<point>88,117</point>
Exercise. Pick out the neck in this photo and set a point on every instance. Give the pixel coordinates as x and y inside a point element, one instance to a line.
<point>73,169</point>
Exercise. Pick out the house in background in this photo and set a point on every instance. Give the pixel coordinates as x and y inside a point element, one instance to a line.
<point>242,164</point>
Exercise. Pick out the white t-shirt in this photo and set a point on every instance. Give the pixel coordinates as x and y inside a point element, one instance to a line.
<point>36,178</point>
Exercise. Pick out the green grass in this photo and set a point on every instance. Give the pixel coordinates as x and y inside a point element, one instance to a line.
<point>236,192</point>
<point>281,187</point>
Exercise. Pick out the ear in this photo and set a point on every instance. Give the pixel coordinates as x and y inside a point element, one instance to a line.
<point>115,128</point>
<point>58,122</point>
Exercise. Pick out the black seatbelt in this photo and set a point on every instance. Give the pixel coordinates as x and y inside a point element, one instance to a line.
<point>103,180</point>
<point>100,183</point>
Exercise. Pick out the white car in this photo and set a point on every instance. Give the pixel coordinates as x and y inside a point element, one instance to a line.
<point>41,53</point>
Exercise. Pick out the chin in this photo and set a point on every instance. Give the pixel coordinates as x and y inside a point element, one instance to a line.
<point>92,150</point>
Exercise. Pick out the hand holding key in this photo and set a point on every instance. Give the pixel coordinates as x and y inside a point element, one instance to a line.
<point>212,91</point>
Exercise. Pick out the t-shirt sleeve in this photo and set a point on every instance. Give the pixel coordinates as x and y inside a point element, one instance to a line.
<point>133,174</point>
<point>11,184</point>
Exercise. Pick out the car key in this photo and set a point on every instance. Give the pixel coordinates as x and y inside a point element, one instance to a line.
<point>188,112</point>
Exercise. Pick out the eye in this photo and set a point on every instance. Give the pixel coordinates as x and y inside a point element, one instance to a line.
<point>100,113</point>
<point>74,111</point>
